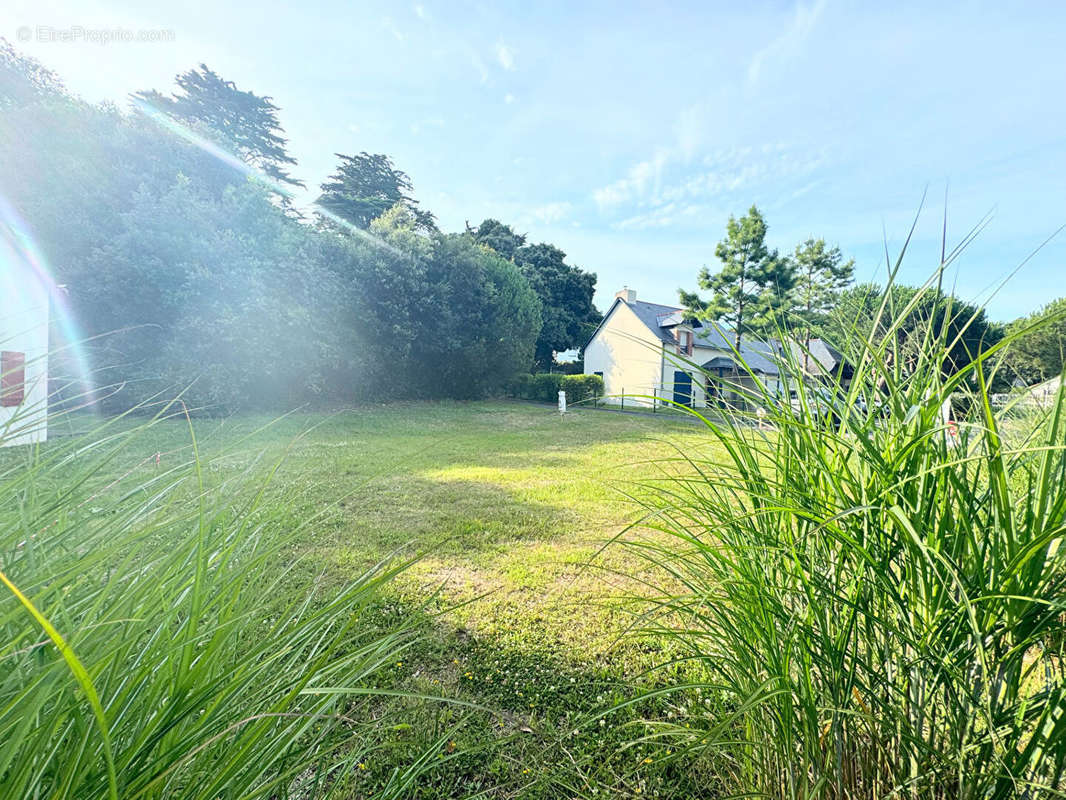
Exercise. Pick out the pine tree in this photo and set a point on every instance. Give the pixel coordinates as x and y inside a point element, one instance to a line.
<point>753,288</point>
<point>242,122</point>
<point>821,275</point>
<point>367,185</point>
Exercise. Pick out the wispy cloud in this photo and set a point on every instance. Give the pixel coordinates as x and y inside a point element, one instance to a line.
<point>675,186</point>
<point>477,63</point>
<point>505,55</point>
<point>390,26</point>
<point>789,43</point>
<point>508,98</point>
<point>432,122</point>
<point>552,212</point>
<point>641,179</point>
<point>421,12</point>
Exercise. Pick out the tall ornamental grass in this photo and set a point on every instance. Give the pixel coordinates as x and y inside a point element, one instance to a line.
<point>873,592</point>
<point>154,642</point>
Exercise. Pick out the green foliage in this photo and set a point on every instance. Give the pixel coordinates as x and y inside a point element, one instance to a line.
<point>876,595</point>
<point>189,276</point>
<point>153,642</point>
<point>526,622</point>
<point>482,321</point>
<point>244,123</point>
<point>581,388</point>
<point>907,315</point>
<point>545,387</point>
<point>494,234</point>
<point>24,81</point>
<point>364,187</point>
<point>570,367</point>
<point>565,291</point>
<point>751,293</point>
<point>224,293</point>
<point>542,387</point>
<point>1038,344</point>
<point>821,275</point>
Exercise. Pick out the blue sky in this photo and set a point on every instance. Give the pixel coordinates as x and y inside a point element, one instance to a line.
<point>626,133</point>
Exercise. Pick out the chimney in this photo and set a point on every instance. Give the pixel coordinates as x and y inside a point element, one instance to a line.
<point>627,294</point>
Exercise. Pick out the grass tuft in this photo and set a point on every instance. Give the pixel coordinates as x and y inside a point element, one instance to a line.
<point>157,638</point>
<point>874,592</point>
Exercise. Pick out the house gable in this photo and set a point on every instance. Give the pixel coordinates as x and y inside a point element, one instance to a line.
<point>625,352</point>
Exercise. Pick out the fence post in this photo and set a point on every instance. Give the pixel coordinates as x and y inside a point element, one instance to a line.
<point>623,398</point>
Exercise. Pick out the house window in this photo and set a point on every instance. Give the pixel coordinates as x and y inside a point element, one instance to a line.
<point>12,377</point>
<point>684,343</point>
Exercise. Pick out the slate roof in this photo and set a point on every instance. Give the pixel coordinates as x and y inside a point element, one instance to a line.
<point>827,357</point>
<point>653,315</point>
<point>761,357</point>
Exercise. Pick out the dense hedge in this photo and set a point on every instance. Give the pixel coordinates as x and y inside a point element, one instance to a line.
<point>184,275</point>
<point>545,387</point>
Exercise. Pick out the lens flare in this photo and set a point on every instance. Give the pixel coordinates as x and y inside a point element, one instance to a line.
<point>21,262</point>
<point>164,120</point>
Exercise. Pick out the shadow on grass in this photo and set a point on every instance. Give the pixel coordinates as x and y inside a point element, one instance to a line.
<point>540,736</point>
<point>447,517</point>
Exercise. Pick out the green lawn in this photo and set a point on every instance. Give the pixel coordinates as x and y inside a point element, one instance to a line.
<point>509,507</point>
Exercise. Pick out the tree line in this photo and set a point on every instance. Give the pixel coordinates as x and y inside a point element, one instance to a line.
<point>809,293</point>
<point>187,270</point>
<point>188,266</point>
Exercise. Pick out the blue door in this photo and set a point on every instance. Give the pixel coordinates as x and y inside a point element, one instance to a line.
<point>682,388</point>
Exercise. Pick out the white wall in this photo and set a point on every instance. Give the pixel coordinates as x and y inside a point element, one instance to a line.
<point>674,362</point>
<point>701,355</point>
<point>635,361</point>
<point>24,307</point>
<point>629,356</point>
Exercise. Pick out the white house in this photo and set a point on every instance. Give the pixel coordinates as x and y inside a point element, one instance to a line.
<point>650,353</point>
<point>24,308</point>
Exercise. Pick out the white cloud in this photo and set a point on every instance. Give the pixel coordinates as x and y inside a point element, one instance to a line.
<point>478,64</point>
<point>390,26</point>
<point>508,98</point>
<point>659,218</point>
<point>421,13</point>
<point>789,43</point>
<point>353,128</point>
<point>552,212</point>
<point>505,55</point>
<point>432,122</point>
<point>642,178</point>
<point>689,130</point>
<point>674,186</point>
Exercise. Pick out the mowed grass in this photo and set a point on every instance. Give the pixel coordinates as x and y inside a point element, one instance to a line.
<point>511,508</point>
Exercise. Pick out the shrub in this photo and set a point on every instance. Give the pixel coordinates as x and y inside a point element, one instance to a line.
<point>545,387</point>
<point>582,388</point>
<point>875,596</point>
<point>571,367</point>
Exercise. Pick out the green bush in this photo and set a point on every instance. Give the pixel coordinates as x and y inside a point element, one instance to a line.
<point>875,596</point>
<point>582,388</point>
<point>545,387</point>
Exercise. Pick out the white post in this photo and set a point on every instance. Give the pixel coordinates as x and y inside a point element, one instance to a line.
<point>562,401</point>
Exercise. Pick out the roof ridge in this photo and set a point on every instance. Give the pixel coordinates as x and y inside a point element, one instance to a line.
<point>660,305</point>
